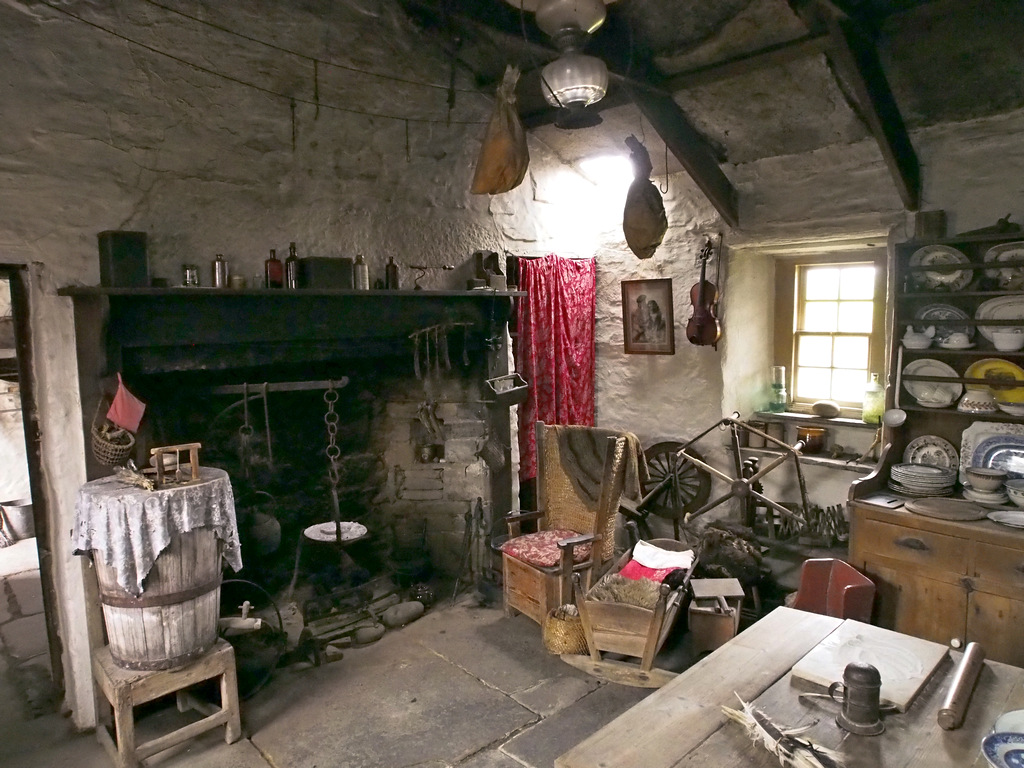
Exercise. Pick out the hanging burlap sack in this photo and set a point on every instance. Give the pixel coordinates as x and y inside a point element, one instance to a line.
<point>643,220</point>
<point>504,156</point>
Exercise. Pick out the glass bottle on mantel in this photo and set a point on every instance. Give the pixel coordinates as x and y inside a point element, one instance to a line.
<point>274,269</point>
<point>362,274</point>
<point>391,275</point>
<point>874,401</point>
<point>291,268</point>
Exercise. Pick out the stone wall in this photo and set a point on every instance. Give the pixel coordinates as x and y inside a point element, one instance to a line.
<point>100,133</point>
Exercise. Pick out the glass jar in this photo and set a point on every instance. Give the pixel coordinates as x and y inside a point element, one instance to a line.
<point>779,397</point>
<point>874,401</point>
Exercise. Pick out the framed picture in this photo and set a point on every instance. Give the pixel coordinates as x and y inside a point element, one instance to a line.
<point>647,322</point>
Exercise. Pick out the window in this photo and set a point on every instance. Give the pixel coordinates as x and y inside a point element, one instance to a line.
<point>830,327</point>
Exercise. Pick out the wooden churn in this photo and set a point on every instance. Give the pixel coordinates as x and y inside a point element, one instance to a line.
<point>175,618</point>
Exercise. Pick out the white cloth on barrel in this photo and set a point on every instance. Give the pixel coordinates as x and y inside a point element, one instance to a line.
<point>128,527</point>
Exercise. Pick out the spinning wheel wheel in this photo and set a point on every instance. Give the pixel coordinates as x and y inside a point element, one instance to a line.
<point>677,486</point>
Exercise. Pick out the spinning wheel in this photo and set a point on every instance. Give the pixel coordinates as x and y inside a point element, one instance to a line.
<point>745,485</point>
<point>677,486</point>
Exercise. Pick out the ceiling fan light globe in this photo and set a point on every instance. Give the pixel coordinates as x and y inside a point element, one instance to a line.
<point>574,78</point>
<point>555,15</point>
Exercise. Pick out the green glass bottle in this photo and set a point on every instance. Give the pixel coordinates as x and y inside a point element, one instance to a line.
<point>874,401</point>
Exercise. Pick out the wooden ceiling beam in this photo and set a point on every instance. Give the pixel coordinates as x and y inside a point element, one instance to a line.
<point>743,64</point>
<point>855,58</point>
<point>691,150</point>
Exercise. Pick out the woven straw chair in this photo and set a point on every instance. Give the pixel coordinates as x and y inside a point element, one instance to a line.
<point>575,535</point>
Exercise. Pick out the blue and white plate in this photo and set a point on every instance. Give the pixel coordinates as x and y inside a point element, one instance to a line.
<point>1010,721</point>
<point>1004,750</point>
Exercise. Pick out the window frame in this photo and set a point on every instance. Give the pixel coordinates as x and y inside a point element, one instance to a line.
<point>786,295</point>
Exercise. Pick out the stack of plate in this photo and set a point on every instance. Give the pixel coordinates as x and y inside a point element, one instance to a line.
<point>986,498</point>
<point>922,480</point>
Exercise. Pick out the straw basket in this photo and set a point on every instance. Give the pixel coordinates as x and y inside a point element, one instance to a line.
<point>563,631</point>
<point>110,446</point>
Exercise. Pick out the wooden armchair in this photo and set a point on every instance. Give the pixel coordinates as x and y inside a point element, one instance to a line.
<point>576,532</point>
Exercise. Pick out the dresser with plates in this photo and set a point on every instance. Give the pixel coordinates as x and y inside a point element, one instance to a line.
<point>957,575</point>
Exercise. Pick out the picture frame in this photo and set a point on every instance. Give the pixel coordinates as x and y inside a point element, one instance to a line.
<point>648,324</point>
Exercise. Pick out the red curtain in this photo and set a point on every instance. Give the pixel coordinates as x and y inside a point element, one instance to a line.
<point>555,350</point>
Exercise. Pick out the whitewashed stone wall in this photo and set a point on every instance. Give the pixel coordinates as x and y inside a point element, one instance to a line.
<point>101,134</point>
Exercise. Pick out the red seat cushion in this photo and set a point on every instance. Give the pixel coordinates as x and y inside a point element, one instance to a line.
<point>541,549</point>
<point>634,570</point>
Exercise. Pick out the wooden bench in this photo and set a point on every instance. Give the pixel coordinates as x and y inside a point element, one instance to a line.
<point>126,689</point>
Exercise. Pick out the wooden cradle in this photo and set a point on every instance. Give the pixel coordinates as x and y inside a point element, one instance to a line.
<point>630,630</point>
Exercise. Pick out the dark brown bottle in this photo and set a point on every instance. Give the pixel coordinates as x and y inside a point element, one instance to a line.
<point>274,269</point>
<point>391,275</point>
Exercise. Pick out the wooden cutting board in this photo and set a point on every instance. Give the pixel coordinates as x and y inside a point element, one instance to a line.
<point>905,663</point>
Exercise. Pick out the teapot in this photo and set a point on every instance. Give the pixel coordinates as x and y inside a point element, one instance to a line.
<point>914,340</point>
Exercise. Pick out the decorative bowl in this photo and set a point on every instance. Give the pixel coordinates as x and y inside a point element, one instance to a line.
<point>1015,490</point>
<point>977,401</point>
<point>1014,409</point>
<point>1008,341</point>
<point>985,479</point>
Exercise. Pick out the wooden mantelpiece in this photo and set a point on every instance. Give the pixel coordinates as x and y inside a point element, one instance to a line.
<point>161,330</point>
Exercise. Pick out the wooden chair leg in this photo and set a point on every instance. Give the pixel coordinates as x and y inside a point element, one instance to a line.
<point>229,702</point>
<point>124,730</point>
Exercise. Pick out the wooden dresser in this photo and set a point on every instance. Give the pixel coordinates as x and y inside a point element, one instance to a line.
<point>950,582</point>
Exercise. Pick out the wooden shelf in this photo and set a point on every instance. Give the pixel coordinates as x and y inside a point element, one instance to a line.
<point>810,459</point>
<point>811,420</point>
<point>163,330</point>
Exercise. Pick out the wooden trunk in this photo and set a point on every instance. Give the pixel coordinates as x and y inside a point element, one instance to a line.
<point>175,618</point>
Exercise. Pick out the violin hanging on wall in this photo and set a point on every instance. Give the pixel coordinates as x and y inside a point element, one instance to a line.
<point>703,328</point>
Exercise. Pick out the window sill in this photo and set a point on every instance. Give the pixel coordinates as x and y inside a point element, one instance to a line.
<point>809,419</point>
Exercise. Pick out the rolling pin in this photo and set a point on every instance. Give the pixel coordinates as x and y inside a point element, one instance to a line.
<point>954,706</point>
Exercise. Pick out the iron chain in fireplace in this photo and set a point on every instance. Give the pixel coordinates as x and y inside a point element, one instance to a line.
<point>333,454</point>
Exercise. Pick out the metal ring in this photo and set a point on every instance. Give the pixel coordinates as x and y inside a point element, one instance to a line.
<point>246,430</point>
<point>331,396</point>
<point>333,452</point>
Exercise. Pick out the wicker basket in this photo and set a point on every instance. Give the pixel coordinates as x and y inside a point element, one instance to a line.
<point>563,631</point>
<point>107,449</point>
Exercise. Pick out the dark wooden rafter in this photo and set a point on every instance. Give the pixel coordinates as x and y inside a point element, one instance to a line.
<point>691,150</point>
<point>855,59</point>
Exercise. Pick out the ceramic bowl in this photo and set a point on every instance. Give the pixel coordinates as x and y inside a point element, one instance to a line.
<point>1014,409</point>
<point>813,439</point>
<point>917,342</point>
<point>1015,490</point>
<point>1008,341</point>
<point>985,479</point>
<point>977,401</point>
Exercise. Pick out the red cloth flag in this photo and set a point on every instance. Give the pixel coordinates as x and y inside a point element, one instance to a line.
<point>126,409</point>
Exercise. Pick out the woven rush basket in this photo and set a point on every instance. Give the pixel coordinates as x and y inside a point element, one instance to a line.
<point>113,447</point>
<point>563,631</point>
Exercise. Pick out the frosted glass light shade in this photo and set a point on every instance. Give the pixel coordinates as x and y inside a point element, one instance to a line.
<point>575,78</point>
<point>555,15</point>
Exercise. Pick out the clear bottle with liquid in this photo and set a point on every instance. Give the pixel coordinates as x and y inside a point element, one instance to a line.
<point>273,268</point>
<point>362,274</point>
<point>291,268</point>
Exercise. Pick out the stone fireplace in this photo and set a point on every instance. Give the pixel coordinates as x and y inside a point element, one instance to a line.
<point>423,450</point>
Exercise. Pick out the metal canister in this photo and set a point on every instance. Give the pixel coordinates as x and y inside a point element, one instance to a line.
<point>220,272</point>
<point>190,275</point>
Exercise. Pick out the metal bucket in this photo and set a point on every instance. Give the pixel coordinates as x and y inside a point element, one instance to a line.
<point>17,518</point>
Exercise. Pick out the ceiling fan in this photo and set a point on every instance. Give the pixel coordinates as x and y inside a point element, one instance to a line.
<point>573,80</point>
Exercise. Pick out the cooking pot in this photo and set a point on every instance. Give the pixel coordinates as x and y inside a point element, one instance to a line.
<point>813,438</point>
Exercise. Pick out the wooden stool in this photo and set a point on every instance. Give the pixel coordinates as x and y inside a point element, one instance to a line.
<point>126,689</point>
<point>714,612</point>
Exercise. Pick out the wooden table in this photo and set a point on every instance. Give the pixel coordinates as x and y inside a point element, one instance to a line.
<point>682,723</point>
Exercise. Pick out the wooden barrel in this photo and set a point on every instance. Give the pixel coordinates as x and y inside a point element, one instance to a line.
<point>175,618</point>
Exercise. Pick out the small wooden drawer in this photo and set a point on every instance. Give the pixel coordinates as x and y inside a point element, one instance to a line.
<point>999,564</point>
<point>911,545</point>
